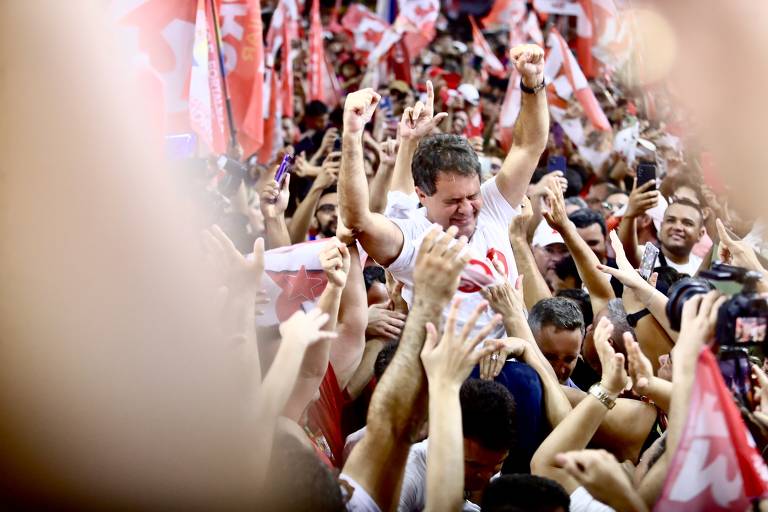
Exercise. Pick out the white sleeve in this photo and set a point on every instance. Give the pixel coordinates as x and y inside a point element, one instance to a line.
<point>412,495</point>
<point>495,206</point>
<point>407,256</point>
<point>582,501</point>
<point>400,205</point>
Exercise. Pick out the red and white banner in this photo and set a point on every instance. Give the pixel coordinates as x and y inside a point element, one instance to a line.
<point>505,13</point>
<point>611,33</point>
<point>273,133</point>
<point>420,16</point>
<point>316,70</point>
<point>567,81</point>
<point>366,28</point>
<point>206,96</point>
<point>160,33</point>
<point>483,50</point>
<point>294,280</point>
<point>716,466</point>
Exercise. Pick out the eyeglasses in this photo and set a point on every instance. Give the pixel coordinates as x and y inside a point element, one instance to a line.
<point>326,208</point>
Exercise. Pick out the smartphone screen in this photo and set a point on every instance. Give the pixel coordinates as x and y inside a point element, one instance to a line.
<point>648,263</point>
<point>556,163</point>
<point>646,172</point>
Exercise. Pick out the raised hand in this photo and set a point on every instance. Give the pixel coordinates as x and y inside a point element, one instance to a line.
<point>614,376</point>
<point>518,226</point>
<point>335,261</point>
<point>640,368</point>
<point>641,199</point>
<point>439,263</point>
<point>736,252</point>
<point>420,120</point>
<point>697,323</point>
<point>450,362</point>
<point>329,172</point>
<point>384,323</point>
<point>274,198</point>
<point>628,276</point>
<point>555,213</point>
<point>329,137</point>
<point>237,272</point>
<point>551,181</point>
<point>304,329</point>
<point>529,61</point>
<point>388,152</point>
<point>358,109</point>
<point>603,477</point>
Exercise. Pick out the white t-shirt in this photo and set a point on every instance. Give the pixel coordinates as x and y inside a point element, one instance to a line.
<point>582,501</point>
<point>490,237</point>
<point>413,494</point>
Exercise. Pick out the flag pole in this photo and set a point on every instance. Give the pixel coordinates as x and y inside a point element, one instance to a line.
<point>227,99</point>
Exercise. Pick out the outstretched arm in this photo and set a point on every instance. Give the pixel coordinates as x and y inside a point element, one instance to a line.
<point>600,291</point>
<point>380,237</point>
<point>302,217</point>
<point>535,288</point>
<point>382,181</point>
<point>397,408</point>
<point>531,128</point>
<point>640,201</point>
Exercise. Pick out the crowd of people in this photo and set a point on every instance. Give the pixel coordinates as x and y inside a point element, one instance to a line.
<point>484,340</point>
<point>469,322</point>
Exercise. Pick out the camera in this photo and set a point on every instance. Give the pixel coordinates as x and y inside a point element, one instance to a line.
<point>741,321</point>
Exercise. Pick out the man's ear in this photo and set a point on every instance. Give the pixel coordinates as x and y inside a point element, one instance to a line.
<point>702,231</point>
<point>421,195</point>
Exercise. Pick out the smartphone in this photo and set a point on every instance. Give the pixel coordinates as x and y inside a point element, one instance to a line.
<point>648,263</point>
<point>556,163</point>
<point>286,166</point>
<point>646,172</point>
<point>181,146</point>
<point>737,373</point>
<point>337,144</point>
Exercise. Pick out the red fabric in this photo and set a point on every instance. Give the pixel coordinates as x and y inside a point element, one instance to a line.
<point>315,71</point>
<point>271,124</point>
<point>166,32</point>
<point>716,466</point>
<point>584,40</point>
<point>324,416</point>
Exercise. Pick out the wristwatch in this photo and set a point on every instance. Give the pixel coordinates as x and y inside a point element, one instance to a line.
<point>601,394</point>
<point>532,90</point>
<point>633,318</point>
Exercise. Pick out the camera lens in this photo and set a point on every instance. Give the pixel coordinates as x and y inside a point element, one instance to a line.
<point>679,293</point>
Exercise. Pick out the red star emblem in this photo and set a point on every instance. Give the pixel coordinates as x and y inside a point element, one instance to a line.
<point>297,287</point>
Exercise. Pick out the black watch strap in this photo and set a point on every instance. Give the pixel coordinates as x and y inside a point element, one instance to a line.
<point>633,318</point>
<point>531,90</point>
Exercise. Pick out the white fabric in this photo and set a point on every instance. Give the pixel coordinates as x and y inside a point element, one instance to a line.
<point>360,500</point>
<point>582,501</point>
<point>352,440</point>
<point>689,268</point>
<point>545,235</point>
<point>413,494</point>
<point>400,205</point>
<point>490,234</point>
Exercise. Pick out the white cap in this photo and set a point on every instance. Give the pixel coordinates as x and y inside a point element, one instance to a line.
<point>545,235</point>
<point>469,93</point>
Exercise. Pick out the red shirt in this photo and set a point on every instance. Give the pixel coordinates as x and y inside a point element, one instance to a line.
<point>324,419</point>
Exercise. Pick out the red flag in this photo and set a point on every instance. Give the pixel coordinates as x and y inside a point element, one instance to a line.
<point>272,125</point>
<point>505,13</point>
<point>584,28</point>
<point>400,62</point>
<point>296,280</point>
<point>290,33</point>
<point>206,96</point>
<point>716,466</point>
<point>366,28</point>
<point>483,50</point>
<point>315,69</point>
<point>419,18</point>
<point>567,81</point>
<point>162,32</point>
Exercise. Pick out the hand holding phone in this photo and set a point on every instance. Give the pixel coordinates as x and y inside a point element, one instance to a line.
<point>646,172</point>
<point>556,163</point>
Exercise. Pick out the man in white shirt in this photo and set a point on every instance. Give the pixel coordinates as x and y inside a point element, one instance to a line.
<point>681,229</point>
<point>446,175</point>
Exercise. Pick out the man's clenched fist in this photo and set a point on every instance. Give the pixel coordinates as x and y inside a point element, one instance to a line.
<point>529,61</point>
<point>359,108</point>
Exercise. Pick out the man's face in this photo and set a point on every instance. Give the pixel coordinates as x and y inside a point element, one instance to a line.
<point>316,122</point>
<point>596,196</point>
<point>327,214</point>
<point>594,237</point>
<point>561,347</point>
<point>681,229</point>
<point>456,202</point>
<point>547,258</point>
<point>480,464</point>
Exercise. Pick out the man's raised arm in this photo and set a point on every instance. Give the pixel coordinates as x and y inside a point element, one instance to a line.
<point>380,237</point>
<point>532,127</point>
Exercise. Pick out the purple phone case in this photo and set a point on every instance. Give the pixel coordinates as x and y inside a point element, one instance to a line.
<point>287,160</point>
